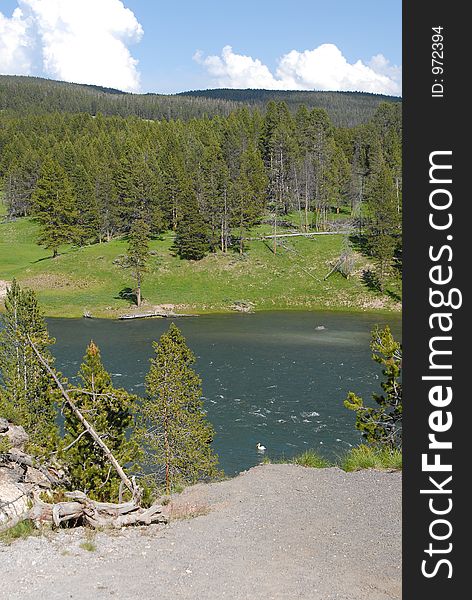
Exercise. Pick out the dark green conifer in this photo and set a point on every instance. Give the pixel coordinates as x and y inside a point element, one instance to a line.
<point>192,236</point>
<point>382,424</point>
<point>110,411</point>
<point>27,393</point>
<point>137,255</point>
<point>55,207</point>
<point>174,425</point>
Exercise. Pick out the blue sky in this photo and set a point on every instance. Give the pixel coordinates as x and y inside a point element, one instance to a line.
<point>268,40</point>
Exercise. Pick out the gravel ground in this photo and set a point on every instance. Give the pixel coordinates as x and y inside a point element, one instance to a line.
<point>273,532</point>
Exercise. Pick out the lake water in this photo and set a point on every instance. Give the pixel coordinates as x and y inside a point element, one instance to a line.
<point>275,378</point>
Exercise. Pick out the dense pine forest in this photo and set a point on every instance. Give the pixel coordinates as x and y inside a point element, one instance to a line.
<point>87,178</point>
<point>344,108</point>
<point>32,94</point>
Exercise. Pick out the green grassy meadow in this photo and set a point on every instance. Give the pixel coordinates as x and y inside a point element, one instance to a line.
<point>87,279</point>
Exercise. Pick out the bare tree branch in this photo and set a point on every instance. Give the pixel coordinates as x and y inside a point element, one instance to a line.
<point>89,428</point>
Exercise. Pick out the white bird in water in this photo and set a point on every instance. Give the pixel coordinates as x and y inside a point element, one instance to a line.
<point>260,447</point>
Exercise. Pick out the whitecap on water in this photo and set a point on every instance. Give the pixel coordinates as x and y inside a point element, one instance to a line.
<point>309,414</point>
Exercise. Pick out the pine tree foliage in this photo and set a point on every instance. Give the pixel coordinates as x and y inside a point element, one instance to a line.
<point>137,255</point>
<point>174,425</point>
<point>110,410</point>
<point>382,425</point>
<point>384,225</point>
<point>192,235</point>
<point>55,207</point>
<point>26,395</point>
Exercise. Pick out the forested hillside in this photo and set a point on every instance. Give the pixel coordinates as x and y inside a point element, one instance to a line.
<point>209,184</point>
<point>344,108</point>
<point>31,94</point>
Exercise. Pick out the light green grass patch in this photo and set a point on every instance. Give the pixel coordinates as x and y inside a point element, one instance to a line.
<point>21,530</point>
<point>89,279</point>
<point>309,458</point>
<point>358,458</point>
<point>367,457</point>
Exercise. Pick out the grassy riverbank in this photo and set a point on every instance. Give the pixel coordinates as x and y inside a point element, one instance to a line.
<point>89,278</point>
<point>357,459</point>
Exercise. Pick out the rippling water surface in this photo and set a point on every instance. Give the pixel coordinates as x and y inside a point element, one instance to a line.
<point>275,378</point>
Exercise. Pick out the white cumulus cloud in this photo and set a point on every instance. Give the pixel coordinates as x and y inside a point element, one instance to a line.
<point>15,44</point>
<point>324,68</point>
<point>83,41</point>
<point>237,71</point>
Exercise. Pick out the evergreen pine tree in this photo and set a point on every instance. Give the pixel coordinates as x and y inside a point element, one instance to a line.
<point>384,225</point>
<point>213,195</point>
<point>28,396</point>
<point>88,218</point>
<point>55,208</point>
<point>249,192</point>
<point>106,201</point>
<point>192,237</point>
<point>174,425</point>
<point>382,425</point>
<point>20,181</point>
<point>110,410</point>
<point>138,254</point>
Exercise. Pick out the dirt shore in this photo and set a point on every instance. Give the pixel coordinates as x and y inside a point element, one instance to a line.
<point>274,532</point>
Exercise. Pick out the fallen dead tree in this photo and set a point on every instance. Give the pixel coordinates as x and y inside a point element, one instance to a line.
<point>21,499</point>
<point>126,481</point>
<point>83,510</point>
<point>23,482</point>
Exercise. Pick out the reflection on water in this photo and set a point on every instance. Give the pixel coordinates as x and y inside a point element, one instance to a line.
<point>275,378</point>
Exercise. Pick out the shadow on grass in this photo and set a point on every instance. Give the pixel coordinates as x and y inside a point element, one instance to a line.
<point>51,257</point>
<point>370,280</point>
<point>393,295</point>
<point>269,245</point>
<point>127,294</point>
<point>33,262</point>
<point>359,243</point>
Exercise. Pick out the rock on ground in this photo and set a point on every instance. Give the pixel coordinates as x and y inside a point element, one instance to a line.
<point>274,532</point>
